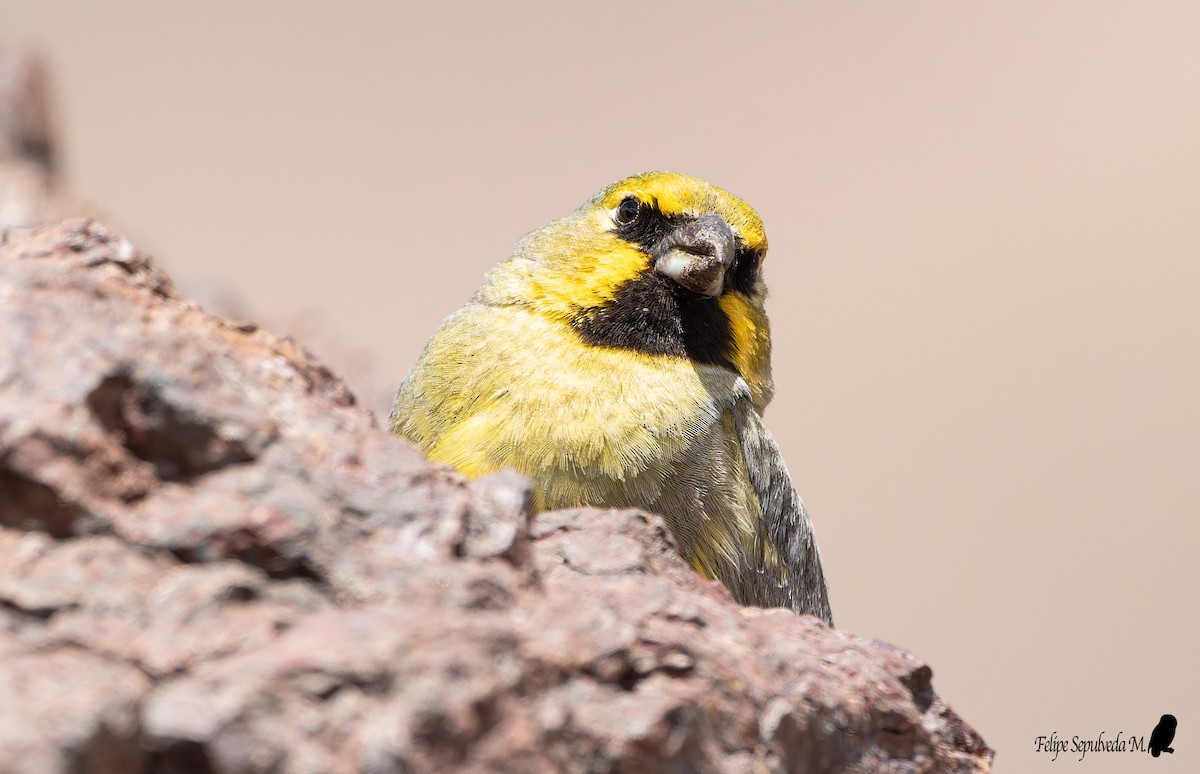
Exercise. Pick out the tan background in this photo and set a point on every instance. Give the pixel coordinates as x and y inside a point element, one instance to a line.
<point>985,230</point>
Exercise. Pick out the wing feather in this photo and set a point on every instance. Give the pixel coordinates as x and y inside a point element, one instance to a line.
<point>784,517</point>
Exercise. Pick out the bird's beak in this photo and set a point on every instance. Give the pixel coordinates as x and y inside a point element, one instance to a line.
<point>697,254</point>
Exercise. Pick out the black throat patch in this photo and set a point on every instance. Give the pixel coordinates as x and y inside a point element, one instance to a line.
<point>652,314</point>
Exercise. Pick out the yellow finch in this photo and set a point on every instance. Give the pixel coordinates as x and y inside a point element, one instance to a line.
<point>621,358</point>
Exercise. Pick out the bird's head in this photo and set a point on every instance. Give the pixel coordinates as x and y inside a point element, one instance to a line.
<point>662,264</point>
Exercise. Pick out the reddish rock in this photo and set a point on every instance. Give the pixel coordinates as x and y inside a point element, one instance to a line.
<point>28,180</point>
<point>211,559</point>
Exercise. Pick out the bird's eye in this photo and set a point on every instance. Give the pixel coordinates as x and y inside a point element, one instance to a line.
<point>628,211</point>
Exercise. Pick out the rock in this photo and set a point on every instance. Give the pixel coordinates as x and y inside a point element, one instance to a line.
<point>28,168</point>
<point>212,559</point>
<point>69,710</point>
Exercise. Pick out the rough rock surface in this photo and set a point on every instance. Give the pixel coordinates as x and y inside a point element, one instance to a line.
<point>212,560</point>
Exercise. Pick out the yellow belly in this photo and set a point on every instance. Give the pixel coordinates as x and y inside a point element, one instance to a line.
<point>502,387</point>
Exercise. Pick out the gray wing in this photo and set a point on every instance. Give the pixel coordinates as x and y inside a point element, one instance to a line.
<point>787,524</point>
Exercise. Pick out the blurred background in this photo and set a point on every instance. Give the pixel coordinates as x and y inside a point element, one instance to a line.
<point>984,267</point>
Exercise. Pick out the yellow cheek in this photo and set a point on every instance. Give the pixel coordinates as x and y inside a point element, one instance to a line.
<point>751,341</point>
<point>589,284</point>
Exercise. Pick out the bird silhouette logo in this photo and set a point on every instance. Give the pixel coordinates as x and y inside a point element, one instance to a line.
<point>1163,734</point>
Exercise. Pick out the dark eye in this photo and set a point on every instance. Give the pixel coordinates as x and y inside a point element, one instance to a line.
<point>746,264</point>
<point>628,211</point>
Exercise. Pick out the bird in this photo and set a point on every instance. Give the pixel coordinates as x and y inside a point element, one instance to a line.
<point>1162,736</point>
<point>620,357</point>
